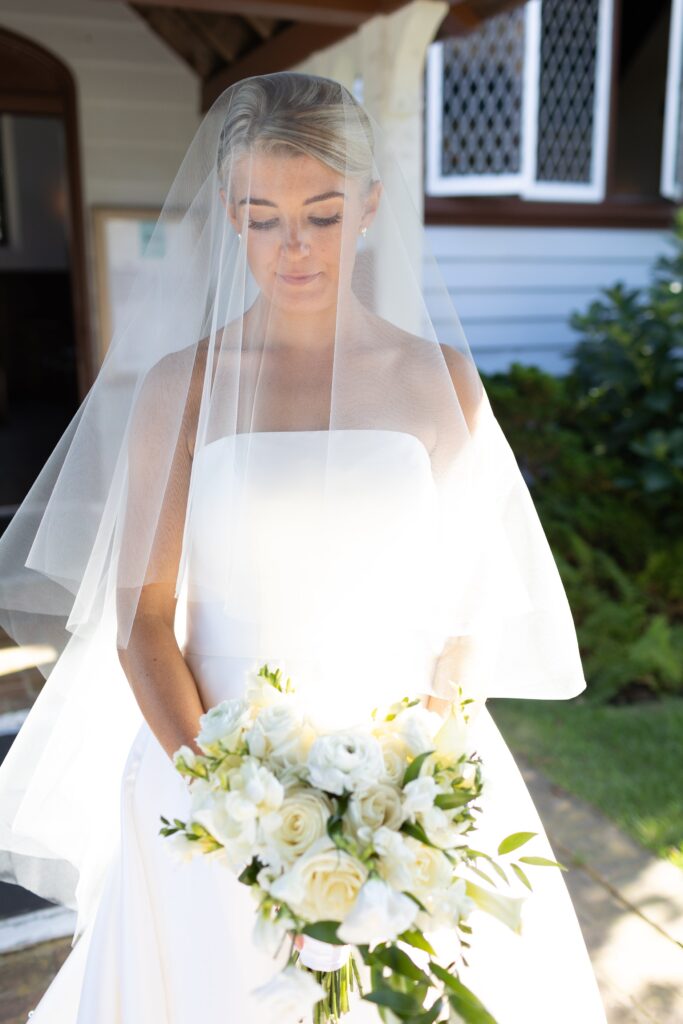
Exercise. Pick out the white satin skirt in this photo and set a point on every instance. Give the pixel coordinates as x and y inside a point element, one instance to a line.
<point>171,943</point>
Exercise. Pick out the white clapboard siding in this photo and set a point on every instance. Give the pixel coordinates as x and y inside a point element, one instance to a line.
<point>138,104</point>
<point>515,288</point>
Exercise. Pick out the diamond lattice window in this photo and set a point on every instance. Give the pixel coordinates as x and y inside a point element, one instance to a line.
<point>520,106</point>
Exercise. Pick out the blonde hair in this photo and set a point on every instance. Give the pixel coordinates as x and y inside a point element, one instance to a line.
<point>296,113</point>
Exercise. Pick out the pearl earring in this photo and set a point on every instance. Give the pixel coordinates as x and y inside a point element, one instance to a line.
<point>363,232</point>
<point>239,235</point>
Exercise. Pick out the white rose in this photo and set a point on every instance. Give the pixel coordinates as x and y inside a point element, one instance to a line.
<point>225,724</point>
<point>396,857</point>
<point>289,996</point>
<point>303,815</point>
<point>378,915</point>
<point>418,796</point>
<point>323,884</point>
<point>374,808</point>
<point>341,761</point>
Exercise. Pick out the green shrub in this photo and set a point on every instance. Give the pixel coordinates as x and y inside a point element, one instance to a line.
<point>602,451</point>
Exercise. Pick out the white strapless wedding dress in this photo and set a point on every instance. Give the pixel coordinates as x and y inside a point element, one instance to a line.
<point>345,614</point>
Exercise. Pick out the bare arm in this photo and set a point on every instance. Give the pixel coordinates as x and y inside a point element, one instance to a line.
<point>159,676</point>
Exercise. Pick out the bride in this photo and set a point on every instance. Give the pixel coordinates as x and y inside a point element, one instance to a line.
<point>283,459</point>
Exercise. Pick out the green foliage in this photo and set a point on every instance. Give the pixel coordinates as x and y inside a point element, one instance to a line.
<point>602,451</point>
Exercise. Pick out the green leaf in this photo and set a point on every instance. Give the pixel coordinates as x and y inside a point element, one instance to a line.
<point>412,828</point>
<point>326,931</point>
<point>482,874</point>
<point>543,862</point>
<point>461,998</point>
<point>413,769</point>
<point>522,876</point>
<point>514,840</point>
<point>430,1016</point>
<point>400,963</point>
<point>448,801</point>
<point>415,938</point>
<point>402,1004</point>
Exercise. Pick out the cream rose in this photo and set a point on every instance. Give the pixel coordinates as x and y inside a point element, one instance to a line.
<point>431,871</point>
<point>374,808</point>
<point>304,815</point>
<point>322,885</point>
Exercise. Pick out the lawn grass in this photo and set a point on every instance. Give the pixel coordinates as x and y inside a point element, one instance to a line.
<point>627,760</point>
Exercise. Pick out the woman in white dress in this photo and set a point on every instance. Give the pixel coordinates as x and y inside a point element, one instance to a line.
<point>283,460</point>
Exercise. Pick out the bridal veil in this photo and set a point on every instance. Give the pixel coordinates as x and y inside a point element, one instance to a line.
<point>287,285</point>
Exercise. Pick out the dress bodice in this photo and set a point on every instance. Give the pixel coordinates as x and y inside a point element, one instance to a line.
<point>313,549</point>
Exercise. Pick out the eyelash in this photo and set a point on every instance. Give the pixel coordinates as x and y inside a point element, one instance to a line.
<point>320,222</point>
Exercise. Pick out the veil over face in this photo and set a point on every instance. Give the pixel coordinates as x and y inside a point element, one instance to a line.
<point>286,287</point>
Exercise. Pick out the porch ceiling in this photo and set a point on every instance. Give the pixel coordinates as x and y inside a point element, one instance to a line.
<point>226,40</point>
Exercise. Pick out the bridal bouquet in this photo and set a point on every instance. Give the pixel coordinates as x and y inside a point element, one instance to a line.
<point>357,840</point>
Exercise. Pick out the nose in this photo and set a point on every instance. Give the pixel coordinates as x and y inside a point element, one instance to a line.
<point>295,243</point>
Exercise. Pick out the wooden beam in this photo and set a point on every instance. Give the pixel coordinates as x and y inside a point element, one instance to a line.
<point>467,15</point>
<point>349,13</point>
<point>282,51</point>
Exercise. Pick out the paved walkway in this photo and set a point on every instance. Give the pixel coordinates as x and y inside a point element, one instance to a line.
<point>629,903</point>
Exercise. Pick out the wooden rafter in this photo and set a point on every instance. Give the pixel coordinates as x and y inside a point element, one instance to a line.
<point>282,51</point>
<point>349,13</point>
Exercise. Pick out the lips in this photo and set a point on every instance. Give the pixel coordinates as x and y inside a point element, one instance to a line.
<point>298,279</point>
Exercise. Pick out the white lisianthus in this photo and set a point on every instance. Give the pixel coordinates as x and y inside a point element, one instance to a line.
<point>238,837</point>
<point>507,909</point>
<point>289,996</point>
<point>275,725</point>
<point>269,934</point>
<point>340,761</point>
<point>254,793</point>
<point>224,724</point>
<point>378,915</point>
<point>418,796</point>
<point>185,754</point>
<point>375,808</point>
<point>396,857</point>
<point>303,814</point>
<point>323,884</point>
<point>417,728</point>
<point>259,693</point>
<point>182,849</point>
<point>442,830</point>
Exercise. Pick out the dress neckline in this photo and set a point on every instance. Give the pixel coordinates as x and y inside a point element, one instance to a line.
<point>413,438</point>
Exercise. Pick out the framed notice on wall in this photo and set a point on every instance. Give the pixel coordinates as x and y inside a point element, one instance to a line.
<point>124,244</point>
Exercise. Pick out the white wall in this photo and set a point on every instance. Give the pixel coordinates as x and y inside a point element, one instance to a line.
<point>514,288</point>
<point>138,103</point>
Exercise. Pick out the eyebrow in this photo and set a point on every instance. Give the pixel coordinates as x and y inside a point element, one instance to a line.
<point>307,202</point>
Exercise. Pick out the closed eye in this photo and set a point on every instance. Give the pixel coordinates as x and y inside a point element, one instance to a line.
<point>320,222</point>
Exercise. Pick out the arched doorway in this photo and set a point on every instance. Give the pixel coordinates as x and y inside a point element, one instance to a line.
<point>45,361</point>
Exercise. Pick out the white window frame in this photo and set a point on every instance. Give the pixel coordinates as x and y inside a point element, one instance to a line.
<point>524,183</point>
<point>671,186</point>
